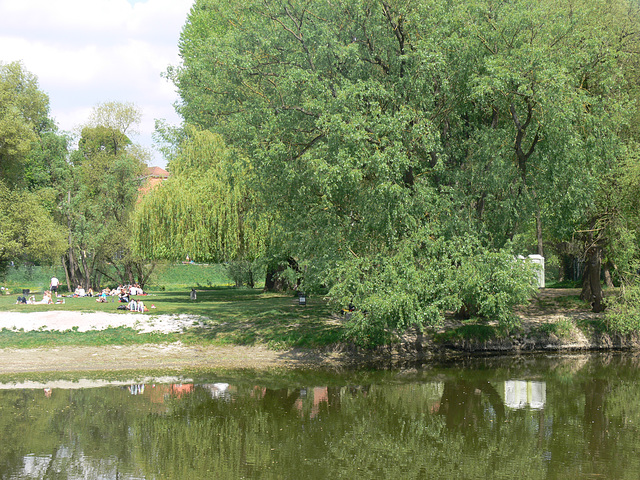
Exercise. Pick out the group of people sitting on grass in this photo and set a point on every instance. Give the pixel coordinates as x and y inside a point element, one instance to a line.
<point>135,306</point>
<point>122,292</point>
<point>46,299</point>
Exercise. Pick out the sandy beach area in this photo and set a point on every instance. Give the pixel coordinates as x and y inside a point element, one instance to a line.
<point>61,321</point>
<point>173,356</point>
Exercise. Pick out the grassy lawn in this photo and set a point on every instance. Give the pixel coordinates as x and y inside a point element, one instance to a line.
<point>234,316</point>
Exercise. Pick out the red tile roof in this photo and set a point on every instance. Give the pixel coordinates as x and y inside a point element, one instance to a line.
<point>157,172</point>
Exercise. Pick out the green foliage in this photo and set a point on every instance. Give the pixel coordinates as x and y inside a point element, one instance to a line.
<point>24,112</point>
<point>492,283</point>
<point>619,205</point>
<point>472,333</point>
<point>120,117</point>
<point>27,230</point>
<point>100,196</point>
<point>563,328</point>
<point>205,210</point>
<point>32,155</point>
<point>244,272</point>
<point>369,128</point>
<point>623,310</point>
<point>427,277</point>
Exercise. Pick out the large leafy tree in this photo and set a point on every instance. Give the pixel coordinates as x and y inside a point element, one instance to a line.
<point>204,210</point>
<point>101,196</point>
<point>32,158</point>
<point>24,110</point>
<point>387,135</point>
<point>28,231</point>
<point>559,94</point>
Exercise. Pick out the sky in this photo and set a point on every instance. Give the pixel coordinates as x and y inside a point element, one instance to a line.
<point>87,52</point>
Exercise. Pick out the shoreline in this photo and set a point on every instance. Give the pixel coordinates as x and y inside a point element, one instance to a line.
<point>530,339</point>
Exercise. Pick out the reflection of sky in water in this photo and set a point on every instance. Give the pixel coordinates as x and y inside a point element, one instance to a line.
<point>66,463</point>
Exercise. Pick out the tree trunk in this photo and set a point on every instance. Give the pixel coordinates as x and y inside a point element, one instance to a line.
<point>72,271</point>
<point>586,294</point>
<point>129,271</point>
<point>86,281</point>
<point>250,281</point>
<point>591,286</point>
<point>142,276</point>
<point>539,232</point>
<point>65,264</point>
<point>273,281</point>
<point>607,274</point>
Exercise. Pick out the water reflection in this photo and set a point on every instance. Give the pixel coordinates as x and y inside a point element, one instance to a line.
<point>522,394</point>
<point>569,419</point>
<point>467,403</point>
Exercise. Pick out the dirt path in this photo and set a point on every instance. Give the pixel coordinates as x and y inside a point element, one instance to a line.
<point>145,357</point>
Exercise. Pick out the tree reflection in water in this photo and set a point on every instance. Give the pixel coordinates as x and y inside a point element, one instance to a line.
<point>464,405</point>
<point>574,420</point>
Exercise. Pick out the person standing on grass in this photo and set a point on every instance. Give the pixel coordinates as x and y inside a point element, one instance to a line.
<point>54,286</point>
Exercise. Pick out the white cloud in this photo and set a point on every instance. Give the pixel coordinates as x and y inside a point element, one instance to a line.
<point>86,52</point>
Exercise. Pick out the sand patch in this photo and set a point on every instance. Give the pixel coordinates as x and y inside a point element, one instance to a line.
<point>83,322</point>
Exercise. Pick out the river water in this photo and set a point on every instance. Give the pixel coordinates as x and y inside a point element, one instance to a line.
<point>575,416</point>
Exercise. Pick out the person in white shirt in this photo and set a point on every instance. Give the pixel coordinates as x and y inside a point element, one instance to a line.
<point>54,286</point>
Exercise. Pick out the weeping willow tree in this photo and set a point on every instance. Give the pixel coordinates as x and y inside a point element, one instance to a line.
<point>205,210</point>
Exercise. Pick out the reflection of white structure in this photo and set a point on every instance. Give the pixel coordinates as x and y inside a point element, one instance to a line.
<point>136,389</point>
<point>520,394</point>
<point>218,390</point>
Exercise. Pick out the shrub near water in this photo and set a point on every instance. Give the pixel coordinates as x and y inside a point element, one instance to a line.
<point>424,279</point>
<point>492,283</point>
<point>623,311</point>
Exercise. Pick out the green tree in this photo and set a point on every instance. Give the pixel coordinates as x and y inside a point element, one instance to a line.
<point>101,196</point>
<point>561,89</point>
<point>373,126</point>
<point>28,231</point>
<point>204,210</point>
<point>32,158</point>
<point>24,112</point>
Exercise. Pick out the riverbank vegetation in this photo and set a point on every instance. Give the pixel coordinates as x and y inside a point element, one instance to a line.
<point>400,158</point>
<point>228,316</point>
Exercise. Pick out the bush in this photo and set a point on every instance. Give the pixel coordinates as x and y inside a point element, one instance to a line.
<point>623,311</point>
<point>492,283</point>
<point>423,279</point>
